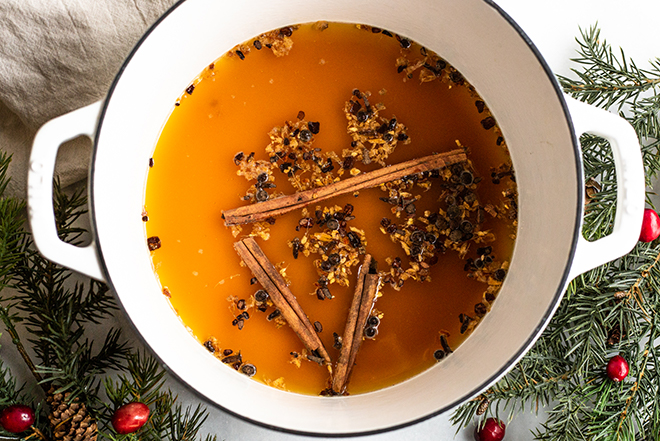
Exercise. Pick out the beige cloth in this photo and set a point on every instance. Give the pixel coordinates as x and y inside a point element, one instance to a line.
<point>57,56</point>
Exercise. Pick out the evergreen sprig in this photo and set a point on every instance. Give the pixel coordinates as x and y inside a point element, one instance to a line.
<point>48,316</point>
<point>609,310</point>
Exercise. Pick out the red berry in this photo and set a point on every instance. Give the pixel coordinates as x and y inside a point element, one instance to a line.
<point>617,368</point>
<point>16,418</point>
<point>130,417</point>
<point>492,430</point>
<point>650,226</point>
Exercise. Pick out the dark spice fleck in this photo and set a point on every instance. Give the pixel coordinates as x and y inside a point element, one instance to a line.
<point>241,304</point>
<point>151,162</point>
<point>337,341</point>
<point>456,77</point>
<point>253,281</point>
<point>370,331</point>
<point>208,344</point>
<point>287,32</point>
<point>405,43</point>
<point>445,345</point>
<point>248,369</point>
<point>334,259</point>
<point>484,251</point>
<point>326,292</point>
<point>285,166</point>
<point>261,296</point>
<point>388,33</point>
<point>238,158</point>
<point>466,178</point>
<point>373,321</point>
<point>362,116</point>
<point>154,243</point>
<point>488,123</point>
<point>190,89</point>
<point>273,315</point>
<point>417,237</point>
<point>315,359</point>
<point>305,222</point>
<point>480,309</point>
<point>375,30</point>
<point>314,127</point>
<point>257,45</point>
<point>236,358</point>
<point>333,224</point>
<point>480,105</point>
<point>326,265</point>
<point>261,196</point>
<point>263,177</point>
<point>439,354</point>
<point>240,55</point>
<point>227,352</point>
<point>318,326</point>
<point>499,275</point>
<point>328,167</point>
<point>348,163</point>
<point>465,323</point>
<point>354,240</point>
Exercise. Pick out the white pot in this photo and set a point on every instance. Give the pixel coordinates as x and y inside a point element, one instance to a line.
<point>506,69</point>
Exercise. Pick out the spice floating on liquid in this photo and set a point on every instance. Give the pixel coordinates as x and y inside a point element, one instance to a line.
<point>279,293</point>
<point>276,207</point>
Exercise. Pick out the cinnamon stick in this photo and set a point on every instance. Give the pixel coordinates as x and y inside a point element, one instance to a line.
<point>363,301</point>
<point>283,299</point>
<point>275,207</point>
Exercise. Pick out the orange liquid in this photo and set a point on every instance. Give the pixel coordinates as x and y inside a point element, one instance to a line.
<point>193,179</point>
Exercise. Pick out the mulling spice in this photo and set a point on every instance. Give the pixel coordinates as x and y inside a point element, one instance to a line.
<point>154,243</point>
<point>424,232</point>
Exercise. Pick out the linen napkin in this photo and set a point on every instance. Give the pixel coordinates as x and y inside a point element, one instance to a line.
<point>57,56</point>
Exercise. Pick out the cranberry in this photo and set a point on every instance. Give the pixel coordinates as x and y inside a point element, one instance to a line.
<point>617,368</point>
<point>650,226</point>
<point>492,430</point>
<point>130,417</point>
<point>16,418</point>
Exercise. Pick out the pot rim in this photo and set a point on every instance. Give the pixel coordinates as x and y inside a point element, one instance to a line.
<point>514,358</point>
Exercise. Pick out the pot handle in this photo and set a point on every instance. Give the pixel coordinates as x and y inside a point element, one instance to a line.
<point>41,216</point>
<point>631,186</point>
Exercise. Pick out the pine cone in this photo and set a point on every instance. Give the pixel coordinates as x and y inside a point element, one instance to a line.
<point>69,420</point>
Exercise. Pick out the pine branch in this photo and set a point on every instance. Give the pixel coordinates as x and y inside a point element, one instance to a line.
<point>609,310</point>
<point>605,79</point>
<point>168,420</point>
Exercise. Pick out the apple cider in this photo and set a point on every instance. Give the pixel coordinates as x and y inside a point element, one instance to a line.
<point>234,217</point>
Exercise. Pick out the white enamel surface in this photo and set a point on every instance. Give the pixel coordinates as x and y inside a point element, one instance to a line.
<point>40,190</point>
<point>473,37</point>
<point>631,187</point>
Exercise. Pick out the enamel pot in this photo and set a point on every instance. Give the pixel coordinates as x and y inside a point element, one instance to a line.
<point>481,41</point>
